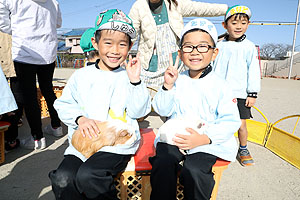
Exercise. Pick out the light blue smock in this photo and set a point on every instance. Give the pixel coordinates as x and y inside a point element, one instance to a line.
<point>238,64</point>
<point>91,92</point>
<point>211,99</point>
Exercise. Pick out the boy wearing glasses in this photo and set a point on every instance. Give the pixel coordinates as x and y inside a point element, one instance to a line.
<point>238,64</point>
<point>195,92</point>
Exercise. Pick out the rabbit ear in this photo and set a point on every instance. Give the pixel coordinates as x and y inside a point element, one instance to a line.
<point>123,133</point>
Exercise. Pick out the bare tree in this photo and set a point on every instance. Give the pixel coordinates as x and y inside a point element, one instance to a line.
<point>271,51</point>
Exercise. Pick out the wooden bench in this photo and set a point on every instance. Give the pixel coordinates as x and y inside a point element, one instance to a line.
<point>134,182</point>
<point>3,127</point>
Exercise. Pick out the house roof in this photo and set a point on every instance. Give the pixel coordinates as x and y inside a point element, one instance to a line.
<point>75,32</point>
<point>61,46</point>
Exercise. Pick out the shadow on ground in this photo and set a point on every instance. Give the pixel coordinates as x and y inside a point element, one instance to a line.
<point>27,177</point>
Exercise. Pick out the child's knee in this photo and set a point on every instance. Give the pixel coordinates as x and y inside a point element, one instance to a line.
<point>60,179</point>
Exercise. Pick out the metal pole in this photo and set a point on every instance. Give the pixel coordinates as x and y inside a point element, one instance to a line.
<point>294,41</point>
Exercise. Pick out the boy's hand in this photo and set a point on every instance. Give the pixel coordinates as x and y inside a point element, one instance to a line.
<point>88,127</point>
<point>10,114</point>
<point>171,74</point>
<point>250,101</point>
<point>133,68</point>
<point>186,142</point>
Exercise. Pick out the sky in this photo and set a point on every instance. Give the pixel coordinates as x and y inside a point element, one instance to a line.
<point>82,14</point>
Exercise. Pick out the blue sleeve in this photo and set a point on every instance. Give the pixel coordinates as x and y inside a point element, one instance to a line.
<point>253,71</point>
<point>139,104</point>
<point>7,100</point>
<point>163,102</point>
<point>67,105</point>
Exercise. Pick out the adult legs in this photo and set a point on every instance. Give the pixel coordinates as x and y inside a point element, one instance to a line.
<point>63,179</point>
<point>197,177</point>
<point>26,74</point>
<point>95,177</point>
<point>45,77</point>
<point>165,167</point>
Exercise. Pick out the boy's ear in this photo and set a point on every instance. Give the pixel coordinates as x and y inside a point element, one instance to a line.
<point>94,43</point>
<point>130,46</point>
<point>224,25</point>
<point>215,53</point>
<point>179,54</point>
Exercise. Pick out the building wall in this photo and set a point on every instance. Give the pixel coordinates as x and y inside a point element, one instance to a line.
<point>74,43</point>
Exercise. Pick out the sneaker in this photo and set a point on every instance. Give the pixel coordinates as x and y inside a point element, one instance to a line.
<point>244,157</point>
<point>30,143</point>
<point>12,145</point>
<point>58,132</point>
<point>40,144</point>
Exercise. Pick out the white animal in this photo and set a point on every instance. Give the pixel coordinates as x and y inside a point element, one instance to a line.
<point>178,125</point>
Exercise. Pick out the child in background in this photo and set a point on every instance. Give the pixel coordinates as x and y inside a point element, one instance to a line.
<point>86,45</point>
<point>195,92</point>
<point>238,64</point>
<point>100,92</point>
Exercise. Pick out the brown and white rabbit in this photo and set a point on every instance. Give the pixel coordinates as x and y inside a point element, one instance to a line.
<point>113,132</point>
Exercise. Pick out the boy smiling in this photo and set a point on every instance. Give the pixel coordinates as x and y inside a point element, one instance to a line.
<point>196,92</point>
<point>100,92</point>
<point>238,64</point>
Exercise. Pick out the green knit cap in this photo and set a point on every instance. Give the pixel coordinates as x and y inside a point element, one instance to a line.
<point>85,41</point>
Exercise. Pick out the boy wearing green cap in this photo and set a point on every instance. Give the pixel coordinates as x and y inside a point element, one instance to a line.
<point>238,64</point>
<point>87,47</point>
<point>101,92</point>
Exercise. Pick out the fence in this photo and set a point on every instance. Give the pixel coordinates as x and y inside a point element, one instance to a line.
<point>285,145</point>
<point>271,67</point>
<point>65,60</point>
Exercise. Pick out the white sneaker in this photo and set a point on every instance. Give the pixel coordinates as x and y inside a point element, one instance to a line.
<point>58,132</point>
<point>40,144</point>
<point>30,143</point>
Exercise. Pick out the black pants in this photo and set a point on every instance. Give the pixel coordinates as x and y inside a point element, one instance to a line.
<point>26,76</point>
<point>92,179</point>
<point>195,175</point>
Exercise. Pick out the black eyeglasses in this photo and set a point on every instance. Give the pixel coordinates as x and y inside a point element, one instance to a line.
<point>201,48</point>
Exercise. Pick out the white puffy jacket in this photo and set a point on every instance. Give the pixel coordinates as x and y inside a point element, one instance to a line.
<point>144,23</point>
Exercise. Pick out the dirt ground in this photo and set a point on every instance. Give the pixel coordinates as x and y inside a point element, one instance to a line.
<point>24,174</point>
